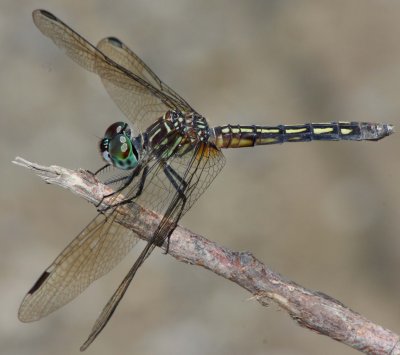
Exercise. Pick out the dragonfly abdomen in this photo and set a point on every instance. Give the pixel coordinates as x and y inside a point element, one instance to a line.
<point>238,136</point>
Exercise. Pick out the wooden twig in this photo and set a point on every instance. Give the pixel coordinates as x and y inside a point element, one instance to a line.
<point>310,309</point>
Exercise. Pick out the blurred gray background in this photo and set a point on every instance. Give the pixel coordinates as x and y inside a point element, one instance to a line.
<point>323,214</point>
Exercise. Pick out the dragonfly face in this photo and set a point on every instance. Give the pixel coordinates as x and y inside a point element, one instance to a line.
<point>117,147</point>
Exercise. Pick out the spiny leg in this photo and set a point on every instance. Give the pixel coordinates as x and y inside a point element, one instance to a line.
<point>94,174</point>
<point>129,179</point>
<point>179,186</point>
<point>138,192</point>
<point>119,179</point>
<point>172,175</point>
<point>99,170</point>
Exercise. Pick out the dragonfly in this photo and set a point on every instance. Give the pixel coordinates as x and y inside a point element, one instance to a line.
<point>168,155</point>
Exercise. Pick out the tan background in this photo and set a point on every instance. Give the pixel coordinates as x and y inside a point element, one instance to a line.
<point>323,214</point>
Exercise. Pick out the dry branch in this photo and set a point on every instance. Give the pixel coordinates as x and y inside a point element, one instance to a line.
<point>310,309</point>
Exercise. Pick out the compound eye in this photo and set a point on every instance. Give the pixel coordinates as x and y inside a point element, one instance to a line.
<point>117,128</point>
<point>122,152</point>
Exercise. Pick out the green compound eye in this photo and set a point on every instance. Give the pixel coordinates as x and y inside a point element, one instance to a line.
<point>122,153</point>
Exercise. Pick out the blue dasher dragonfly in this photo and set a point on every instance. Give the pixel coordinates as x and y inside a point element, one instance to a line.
<point>168,155</point>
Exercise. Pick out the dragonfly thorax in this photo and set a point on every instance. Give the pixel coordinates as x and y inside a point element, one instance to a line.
<point>118,148</point>
<point>191,125</point>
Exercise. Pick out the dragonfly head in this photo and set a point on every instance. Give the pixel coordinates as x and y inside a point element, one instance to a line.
<point>116,147</point>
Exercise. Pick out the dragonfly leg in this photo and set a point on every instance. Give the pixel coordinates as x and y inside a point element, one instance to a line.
<point>129,179</point>
<point>114,181</point>
<point>176,180</point>
<point>99,170</point>
<point>131,198</point>
<point>180,186</point>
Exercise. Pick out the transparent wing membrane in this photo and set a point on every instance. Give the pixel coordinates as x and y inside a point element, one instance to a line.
<point>93,253</point>
<point>196,172</point>
<point>138,92</point>
<point>123,95</point>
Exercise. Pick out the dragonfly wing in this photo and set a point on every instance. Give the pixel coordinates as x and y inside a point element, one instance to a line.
<point>127,100</point>
<point>196,172</point>
<point>113,302</point>
<point>74,45</point>
<point>93,253</point>
<point>140,100</point>
<point>121,54</point>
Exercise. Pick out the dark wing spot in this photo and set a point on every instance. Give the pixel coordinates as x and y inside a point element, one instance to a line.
<point>39,282</point>
<point>49,15</point>
<point>115,42</point>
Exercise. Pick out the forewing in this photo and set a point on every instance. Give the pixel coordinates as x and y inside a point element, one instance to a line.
<point>140,100</point>
<point>142,107</point>
<point>93,253</point>
<point>121,54</point>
